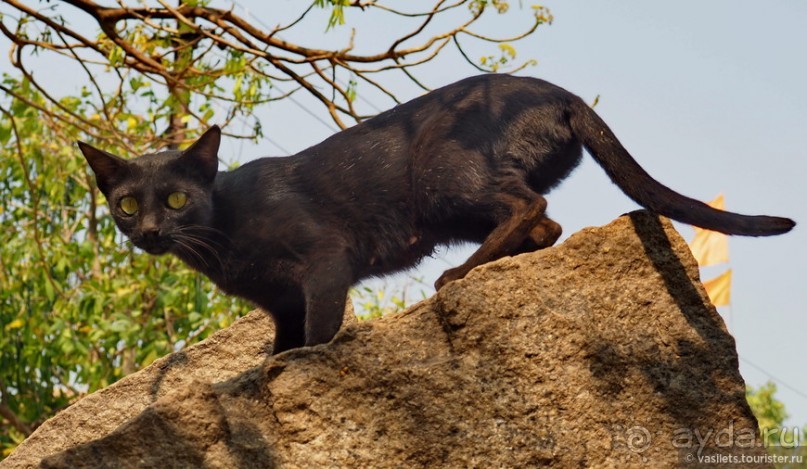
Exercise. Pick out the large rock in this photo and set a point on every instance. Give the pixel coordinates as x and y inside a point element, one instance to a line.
<point>603,351</point>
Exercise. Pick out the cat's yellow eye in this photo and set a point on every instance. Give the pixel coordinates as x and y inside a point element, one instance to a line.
<point>128,205</point>
<point>177,200</point>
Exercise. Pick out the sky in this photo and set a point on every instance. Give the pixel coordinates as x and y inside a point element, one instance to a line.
<point>709,97</point>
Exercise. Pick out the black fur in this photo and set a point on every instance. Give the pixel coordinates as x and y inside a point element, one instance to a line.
<point>467,162</point>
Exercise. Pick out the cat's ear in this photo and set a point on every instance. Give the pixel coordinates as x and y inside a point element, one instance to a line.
<point>108,168</point>
<point>204,153</point>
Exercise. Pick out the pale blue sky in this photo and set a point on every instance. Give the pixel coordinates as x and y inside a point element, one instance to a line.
<point>708,96</point>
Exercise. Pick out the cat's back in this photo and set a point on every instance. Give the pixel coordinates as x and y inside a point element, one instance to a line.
<point>482,94</point>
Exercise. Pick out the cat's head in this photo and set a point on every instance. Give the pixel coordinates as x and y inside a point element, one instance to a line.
<point>156,199</point>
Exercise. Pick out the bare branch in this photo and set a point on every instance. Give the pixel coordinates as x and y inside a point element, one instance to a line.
<point>220,47</point>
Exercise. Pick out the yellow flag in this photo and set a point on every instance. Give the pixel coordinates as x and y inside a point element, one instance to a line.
<point>710,247</point>
<point>719,289</point>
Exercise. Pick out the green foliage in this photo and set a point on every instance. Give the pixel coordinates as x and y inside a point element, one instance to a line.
<point>477,6</point>
<point>506,54</point>
<point>79,308</point>
<point>770,412</point>
<point>337,17</point>
<point>374,303</point>
<point>771,415</point>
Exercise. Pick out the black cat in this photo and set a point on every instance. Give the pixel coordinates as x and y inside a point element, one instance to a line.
<point>465,162</point>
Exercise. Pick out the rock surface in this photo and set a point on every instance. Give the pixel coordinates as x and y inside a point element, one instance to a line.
<point>601,352</point>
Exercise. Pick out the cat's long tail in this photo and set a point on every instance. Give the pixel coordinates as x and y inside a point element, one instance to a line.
<point>646,191</point>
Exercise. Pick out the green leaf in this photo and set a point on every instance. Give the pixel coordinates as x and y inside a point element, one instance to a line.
<point>5,131</point>
<point>116,56</point>
<point>49,291</point>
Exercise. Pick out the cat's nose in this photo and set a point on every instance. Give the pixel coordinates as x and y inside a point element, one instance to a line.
<point>151,233</point>
<point>149,227</point>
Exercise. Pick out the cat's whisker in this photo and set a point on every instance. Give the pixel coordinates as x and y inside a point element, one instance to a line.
<point>185,245</point>
<point>207,244</point>
<point>210,229</point>
<point>208,233</point>
<point>191,241</point>
<point>196,231</point>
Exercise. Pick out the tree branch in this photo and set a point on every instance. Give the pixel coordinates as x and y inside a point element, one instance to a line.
<point>158,43</point>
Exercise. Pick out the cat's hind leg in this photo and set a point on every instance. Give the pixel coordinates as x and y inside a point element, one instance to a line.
<point>525,217</point>
<point>542,235</point>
